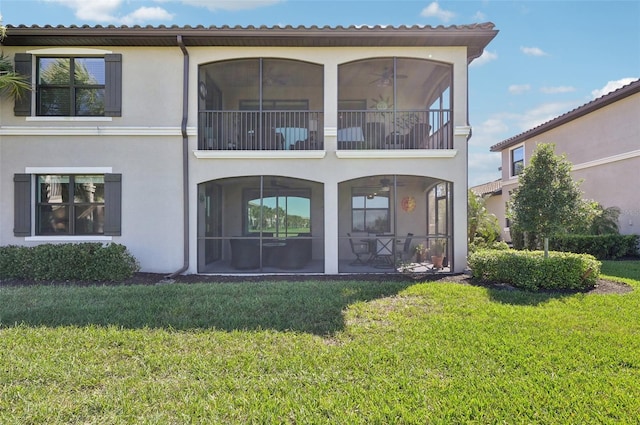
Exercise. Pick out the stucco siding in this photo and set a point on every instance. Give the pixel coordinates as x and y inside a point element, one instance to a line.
<point>604,148</point>
<point>151,189</point>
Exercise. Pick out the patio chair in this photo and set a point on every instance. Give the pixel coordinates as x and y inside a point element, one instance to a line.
<point>406,248</point>
<point>359,249</point>
<point>383,257</point>
<point>417,137</point>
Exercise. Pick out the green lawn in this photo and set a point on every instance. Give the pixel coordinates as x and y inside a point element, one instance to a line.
<point>319,353</point>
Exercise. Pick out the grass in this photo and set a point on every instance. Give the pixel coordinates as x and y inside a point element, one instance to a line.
<point>319,353</point>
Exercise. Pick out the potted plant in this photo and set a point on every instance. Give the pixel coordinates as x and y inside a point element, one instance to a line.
<point>437,252</point>
<point>421,253</point>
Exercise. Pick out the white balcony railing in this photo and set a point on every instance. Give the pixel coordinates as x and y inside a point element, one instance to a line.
<point>303,130</point>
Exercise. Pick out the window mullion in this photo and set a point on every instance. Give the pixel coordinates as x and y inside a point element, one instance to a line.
<point>72,208</point>
<point>72,86</point>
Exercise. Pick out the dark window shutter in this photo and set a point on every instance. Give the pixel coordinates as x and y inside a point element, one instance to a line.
<point>22,107</point>
<point>113,204</point>
<point>113,85</point>
<point>22,204</point>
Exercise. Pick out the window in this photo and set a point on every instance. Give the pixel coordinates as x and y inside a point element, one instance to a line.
<point>68,204</point>
<point>370,212</point>
<point>284,213</point>
<point>72,86</point>
<point>517,161</point>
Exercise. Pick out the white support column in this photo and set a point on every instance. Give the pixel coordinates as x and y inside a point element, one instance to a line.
<point>330,106</point>
<point>331,228</point>
<point>460,187</point>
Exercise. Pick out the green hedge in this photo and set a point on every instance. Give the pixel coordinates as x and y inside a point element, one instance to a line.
<point>531,271</point>
<point>68,262</point>
<point>603,247</point>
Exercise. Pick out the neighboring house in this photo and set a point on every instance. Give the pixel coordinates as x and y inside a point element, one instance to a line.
<point>491,193</point>
<point>602,141</point>
<point>241,149</point>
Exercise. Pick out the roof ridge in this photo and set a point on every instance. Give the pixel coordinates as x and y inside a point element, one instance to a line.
<point>483,25</point>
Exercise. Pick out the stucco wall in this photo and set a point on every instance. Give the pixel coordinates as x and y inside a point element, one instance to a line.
<point>151,188</point>
<point>145,146</point>
<point>604,149</point>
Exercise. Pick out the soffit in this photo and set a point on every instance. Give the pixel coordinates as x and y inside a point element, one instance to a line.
<point>475,36</point>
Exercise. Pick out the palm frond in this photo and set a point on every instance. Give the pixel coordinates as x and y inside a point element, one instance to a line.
<point>13,85</point>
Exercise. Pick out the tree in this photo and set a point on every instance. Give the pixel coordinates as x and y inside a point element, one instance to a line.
<point>605,221</point>
<point>11,83</point>
<point>547,198</point>
<point>483,228</point>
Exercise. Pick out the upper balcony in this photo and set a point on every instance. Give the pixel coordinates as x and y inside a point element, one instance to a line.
<point>277,104</point>
<point>303,130</point>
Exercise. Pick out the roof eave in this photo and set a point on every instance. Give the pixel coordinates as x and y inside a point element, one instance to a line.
<point>476,36</point>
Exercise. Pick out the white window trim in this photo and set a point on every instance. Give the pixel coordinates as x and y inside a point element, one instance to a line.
<point>524,163</point>
<point>68,51</point>
<point>68,170</point>
<point>60,51</point>
<point>68,238</point>
<point>36,118</point>
<point>64,170</point>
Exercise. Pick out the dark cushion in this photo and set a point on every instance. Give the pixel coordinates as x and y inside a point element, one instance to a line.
<point>245,254</point>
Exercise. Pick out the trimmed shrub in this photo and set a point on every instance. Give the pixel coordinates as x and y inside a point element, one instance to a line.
<point>603,247</point>
<point>531,271</point>
<point>68,262</point>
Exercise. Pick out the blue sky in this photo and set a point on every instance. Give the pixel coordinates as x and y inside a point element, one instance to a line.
<point>549,57</point>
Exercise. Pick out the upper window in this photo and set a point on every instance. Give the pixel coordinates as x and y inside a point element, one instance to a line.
<point>70,86</point>
<point>517,161</point>
<point>370,212</point>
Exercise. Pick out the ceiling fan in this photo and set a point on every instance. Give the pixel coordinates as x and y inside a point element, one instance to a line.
<point>276,184</point>
<point>385,78</point>
<point>386,185</point>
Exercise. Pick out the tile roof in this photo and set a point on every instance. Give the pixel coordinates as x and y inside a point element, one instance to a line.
<point>491,188</point>
<point>475,36</point>
<point>601,102</point>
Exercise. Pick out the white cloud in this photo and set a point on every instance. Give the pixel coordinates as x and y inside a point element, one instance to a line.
<point>484,167</point>
<point>489,132</point>
<point>434,11</point>
<point>479,17</point>
<point>519,88</point>
<point>485,58</point>
<point>533,51</point>
<point>543,113</point>
<point>95,10</point>
<point>231,5</point>
<point>146,14</point>
<point>558,89</point>
<point>106,11</point>
<point>611,86</point>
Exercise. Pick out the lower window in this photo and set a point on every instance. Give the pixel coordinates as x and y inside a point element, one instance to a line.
<point>70,204</point>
